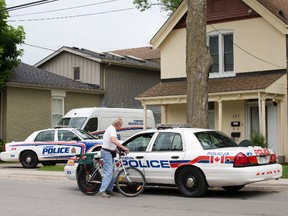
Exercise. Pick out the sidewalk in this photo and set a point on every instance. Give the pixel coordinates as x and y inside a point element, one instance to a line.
<point>17,172</point>
<point>8,171</point>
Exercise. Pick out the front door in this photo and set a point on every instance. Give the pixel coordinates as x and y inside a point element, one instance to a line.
<point>271,123</point>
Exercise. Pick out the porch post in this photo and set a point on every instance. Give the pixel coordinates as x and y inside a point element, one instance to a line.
<point>163,114</point>
<point>220,114</point>
<point>260,112</point>
<point>263,127</point>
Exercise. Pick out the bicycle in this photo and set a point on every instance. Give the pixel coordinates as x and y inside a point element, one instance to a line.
<point>129,180</point>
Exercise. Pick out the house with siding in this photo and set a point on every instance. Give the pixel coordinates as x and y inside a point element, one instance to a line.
<point>34,99</point>
<point>247,85</point>
<point>123,74</point>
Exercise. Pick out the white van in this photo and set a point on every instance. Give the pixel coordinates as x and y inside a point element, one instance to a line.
<point>96,119</point>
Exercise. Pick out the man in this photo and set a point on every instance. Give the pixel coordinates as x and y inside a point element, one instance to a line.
<point>108,152</point>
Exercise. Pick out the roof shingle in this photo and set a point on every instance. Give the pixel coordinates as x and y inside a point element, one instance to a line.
<point>241,82</point>
<point>29,75</point>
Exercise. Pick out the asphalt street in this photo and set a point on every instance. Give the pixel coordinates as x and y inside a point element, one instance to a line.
<point>16,171</point>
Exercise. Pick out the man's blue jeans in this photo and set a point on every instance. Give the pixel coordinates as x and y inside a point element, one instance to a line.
<point>108,178</point>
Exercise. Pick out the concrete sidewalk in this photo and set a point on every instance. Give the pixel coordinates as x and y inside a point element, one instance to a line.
<point>12,171</point>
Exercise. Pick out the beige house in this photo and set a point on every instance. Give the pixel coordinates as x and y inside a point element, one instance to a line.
<point>34,99</point>
<point>247,40</point>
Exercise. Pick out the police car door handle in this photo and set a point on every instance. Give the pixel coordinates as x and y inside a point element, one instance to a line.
<point>139,157</point>
<point>175,157</point>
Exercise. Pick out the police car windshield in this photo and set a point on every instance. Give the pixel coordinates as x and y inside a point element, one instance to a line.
<point>75,122</point>
<point>84,135</point>
<point>214,140</point>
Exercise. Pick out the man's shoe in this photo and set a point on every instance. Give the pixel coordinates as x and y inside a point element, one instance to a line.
<point>111,193</point>
<point>103,195</point>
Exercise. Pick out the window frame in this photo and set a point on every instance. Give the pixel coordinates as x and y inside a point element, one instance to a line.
<point>76,73</point>
<point>54,113</point>
<point>221,53</point>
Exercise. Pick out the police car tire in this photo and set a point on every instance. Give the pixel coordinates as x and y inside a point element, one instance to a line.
<point>191,174</point>
<point>49,163</point>
<point>85,187</point>
<point>32,156</point>
<point>233,188</point>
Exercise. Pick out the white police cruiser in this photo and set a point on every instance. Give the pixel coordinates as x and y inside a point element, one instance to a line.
<point>50,146</point>
<point>194,160</point>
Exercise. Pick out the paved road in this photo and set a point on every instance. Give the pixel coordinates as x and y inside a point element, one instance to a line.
<point>29,192</point>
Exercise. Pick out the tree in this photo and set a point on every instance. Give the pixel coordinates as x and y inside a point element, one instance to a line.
<point>198,59</point>
<point>198,63</point>
<point>166,5</point>
<point>9,39</point>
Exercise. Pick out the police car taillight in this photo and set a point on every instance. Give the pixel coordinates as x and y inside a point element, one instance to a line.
<point>273,158</point>
<point>241,160</point>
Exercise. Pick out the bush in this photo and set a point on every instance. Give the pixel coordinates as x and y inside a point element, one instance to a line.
<point>1,145</point>
<point>258,139</point>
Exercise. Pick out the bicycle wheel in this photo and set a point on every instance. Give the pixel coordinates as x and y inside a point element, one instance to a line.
<point>86,183</point>
<point>132,184</point>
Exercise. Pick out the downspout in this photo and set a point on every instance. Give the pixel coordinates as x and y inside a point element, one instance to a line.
<point>104,80</point>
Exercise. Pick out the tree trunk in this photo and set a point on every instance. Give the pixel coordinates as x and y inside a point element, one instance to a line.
<point>198,63</point>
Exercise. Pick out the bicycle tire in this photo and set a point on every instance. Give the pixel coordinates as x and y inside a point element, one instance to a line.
<point>133,188</point>
<point>84,184</point>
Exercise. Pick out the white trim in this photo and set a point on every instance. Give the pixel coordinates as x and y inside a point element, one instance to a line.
<point>220,33</point>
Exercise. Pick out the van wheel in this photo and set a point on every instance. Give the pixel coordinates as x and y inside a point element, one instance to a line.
<point>191,182</point>
<point>29,159</point>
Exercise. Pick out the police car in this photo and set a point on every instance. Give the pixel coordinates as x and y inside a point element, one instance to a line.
<point>194,160</point>
<point>50,146</point>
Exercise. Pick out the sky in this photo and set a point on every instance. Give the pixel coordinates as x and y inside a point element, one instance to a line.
<point>97,25</point>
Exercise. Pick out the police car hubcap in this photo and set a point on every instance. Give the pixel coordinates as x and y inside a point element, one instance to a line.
<point>28,159</point>
<point>190,182</point>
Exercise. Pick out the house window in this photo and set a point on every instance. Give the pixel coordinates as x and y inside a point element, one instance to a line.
<point>76,71</point>
<point>222,52</point>
<point>57,110</point>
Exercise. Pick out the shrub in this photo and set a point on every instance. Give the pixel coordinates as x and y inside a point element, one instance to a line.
<point>258,139</point>
<point>1,145</point>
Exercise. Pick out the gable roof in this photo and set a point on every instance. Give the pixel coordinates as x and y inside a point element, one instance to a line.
<point>274,11</point>
<point>241,82</point>
<point>31,77</point>
<point>106,57</point>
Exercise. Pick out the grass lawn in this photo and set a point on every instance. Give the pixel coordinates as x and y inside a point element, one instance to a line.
<point>58,168</point>
<point>285,171</point>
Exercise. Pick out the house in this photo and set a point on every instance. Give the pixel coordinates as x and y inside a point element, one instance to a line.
<point>34,99</point>
<point>123,74</point>
<point>247,85</point>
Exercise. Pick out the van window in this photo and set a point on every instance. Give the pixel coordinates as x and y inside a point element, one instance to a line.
<point>91,125</point>
<point>75,122</point>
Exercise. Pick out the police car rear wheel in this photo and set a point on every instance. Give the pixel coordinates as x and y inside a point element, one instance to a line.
<point>191,182</point>
<point>29,159</point>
